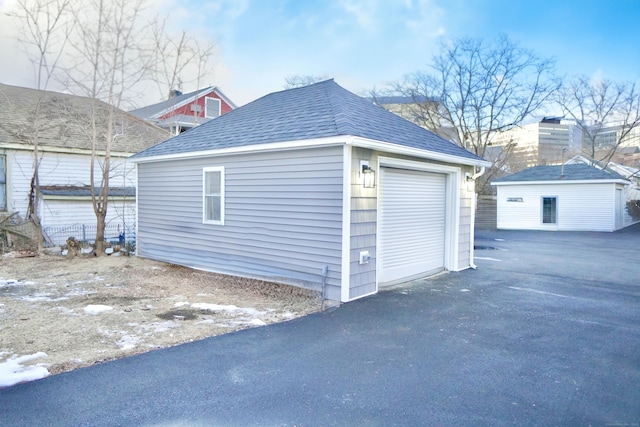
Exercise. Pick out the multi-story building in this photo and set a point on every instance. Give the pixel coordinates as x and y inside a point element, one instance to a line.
<point>547,142</point>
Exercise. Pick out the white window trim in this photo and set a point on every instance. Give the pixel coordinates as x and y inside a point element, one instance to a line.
<point>222,194</point>
<point>206,108</point>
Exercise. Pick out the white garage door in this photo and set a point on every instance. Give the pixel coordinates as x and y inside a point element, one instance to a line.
<point>412,223</point>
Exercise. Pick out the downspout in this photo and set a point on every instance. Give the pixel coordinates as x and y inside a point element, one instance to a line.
<point>325,274</point>
<point>474,205</point>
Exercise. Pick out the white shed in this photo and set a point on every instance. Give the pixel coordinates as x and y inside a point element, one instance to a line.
<point>575,197</point>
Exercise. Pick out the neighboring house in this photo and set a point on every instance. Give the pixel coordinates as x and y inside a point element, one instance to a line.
<point>566,197</point>
<point>313,186</point>
<point>631,174</point>
<point>185,111</point>
<point>61,124</point>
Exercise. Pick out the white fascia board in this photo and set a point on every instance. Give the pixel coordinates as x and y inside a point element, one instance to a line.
<point>320,142</point>
<point>585,181</point>
<point>416,152</point>
<point>62,150</point>
<point>254,148</point>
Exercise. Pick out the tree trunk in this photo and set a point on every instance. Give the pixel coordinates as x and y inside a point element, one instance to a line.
<point>100,217</point>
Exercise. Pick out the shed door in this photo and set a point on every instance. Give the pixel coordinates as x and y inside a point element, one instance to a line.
<point>412,223</point>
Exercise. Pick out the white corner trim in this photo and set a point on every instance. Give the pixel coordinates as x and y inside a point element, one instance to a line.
<point>137,217</point>
<point>346,224</point>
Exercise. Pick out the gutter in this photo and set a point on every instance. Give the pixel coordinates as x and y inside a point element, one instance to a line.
<point>472,226</point>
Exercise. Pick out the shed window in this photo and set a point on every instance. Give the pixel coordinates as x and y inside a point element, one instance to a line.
<point>212,107</point>
<point>213,195</point>
<point>549,210</point>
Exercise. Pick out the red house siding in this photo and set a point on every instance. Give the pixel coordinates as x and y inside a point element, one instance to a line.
<point>186,109</point>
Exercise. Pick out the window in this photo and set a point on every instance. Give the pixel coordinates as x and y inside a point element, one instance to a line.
<point>213,195</point>
<point>211,107</point>
<point>3,184</point>
<point>549,210</point>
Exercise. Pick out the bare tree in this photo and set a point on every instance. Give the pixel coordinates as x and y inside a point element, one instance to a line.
<point>294,81</point>
<point>45,30</point>
<point>180,59</point>
<point>606,112</point>
<point>108,60</point>
<point>475,89</point>
<point>111,54</point>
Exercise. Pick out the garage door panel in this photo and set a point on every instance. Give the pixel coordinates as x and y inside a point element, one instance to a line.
<point>412,223</point>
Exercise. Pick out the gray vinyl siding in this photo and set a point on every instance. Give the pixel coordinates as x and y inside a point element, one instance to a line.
<point>283,216</point>
<point>364,212</point>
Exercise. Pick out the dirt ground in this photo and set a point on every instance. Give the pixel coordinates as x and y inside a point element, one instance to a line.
<point>88,310</point>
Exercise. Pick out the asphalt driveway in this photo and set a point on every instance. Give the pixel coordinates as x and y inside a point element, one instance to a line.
<point>545,332</point>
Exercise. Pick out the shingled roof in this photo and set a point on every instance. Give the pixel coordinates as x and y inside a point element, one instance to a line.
<point>320,110</point>
<point>63,121</point>
<point>573,172</point>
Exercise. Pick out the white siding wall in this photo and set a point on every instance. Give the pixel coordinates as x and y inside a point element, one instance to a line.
<point>579,207</point>
<point>64,169</point>
<point>71,212</point>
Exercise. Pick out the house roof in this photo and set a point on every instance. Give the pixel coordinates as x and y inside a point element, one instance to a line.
<point>63,121</point>
<point>156,110</point>
<point>572,172</point>
<point>182,119</point>
<point>320,110</point>
<point>84,191</point>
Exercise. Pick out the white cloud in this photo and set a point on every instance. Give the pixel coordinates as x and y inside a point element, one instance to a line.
<point>364,11</point>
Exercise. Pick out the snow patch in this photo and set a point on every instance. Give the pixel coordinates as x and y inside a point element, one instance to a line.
<point>12,370</point>
<point>214,307</point>
<point>94,309</point>
<point>127,342</point>
<point>180,304</point>
<point>228,308</point>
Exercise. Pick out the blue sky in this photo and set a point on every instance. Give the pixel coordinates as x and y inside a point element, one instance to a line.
<point>366,43</point>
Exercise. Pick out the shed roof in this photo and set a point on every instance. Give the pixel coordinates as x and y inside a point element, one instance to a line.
<point>572,172</point>
<point>320,110</point>
<point>84,191</point>
<point>63,121</point>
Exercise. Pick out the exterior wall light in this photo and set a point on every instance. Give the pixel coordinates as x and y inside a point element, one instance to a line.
<point>368,177</point>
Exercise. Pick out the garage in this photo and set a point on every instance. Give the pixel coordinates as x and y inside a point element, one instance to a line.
<point>412,224</point>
